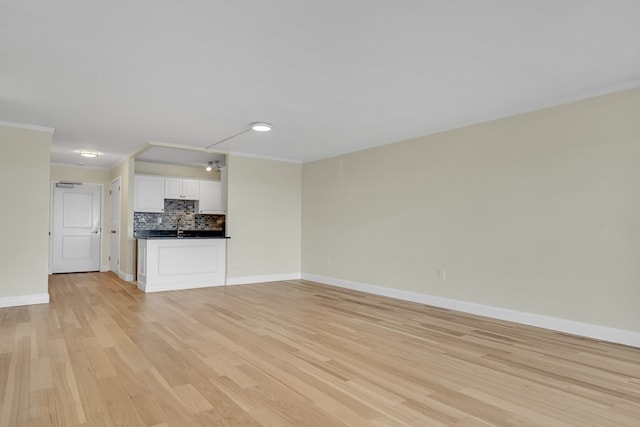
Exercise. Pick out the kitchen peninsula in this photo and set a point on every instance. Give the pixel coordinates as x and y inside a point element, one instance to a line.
<point>168,260</point>
<point>179,225</point>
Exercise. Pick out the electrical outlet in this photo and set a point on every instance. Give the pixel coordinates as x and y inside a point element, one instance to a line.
<point>329,260</point>
<point>159,220</point>
<point>442,274</point>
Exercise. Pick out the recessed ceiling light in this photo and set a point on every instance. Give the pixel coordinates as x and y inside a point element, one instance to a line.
<point>85,153</point>
<point>261,126</point>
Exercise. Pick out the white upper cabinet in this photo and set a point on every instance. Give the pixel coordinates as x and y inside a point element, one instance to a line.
<point>148,193</point>
<point>191,189</point>
<point>210,198</point>
<point>184,189</point>
<point>172,188</point>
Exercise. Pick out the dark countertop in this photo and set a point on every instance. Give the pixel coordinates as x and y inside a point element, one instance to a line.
<point>173,234</point>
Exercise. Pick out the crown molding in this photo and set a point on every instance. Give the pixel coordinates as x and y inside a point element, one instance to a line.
<point>27,126</point>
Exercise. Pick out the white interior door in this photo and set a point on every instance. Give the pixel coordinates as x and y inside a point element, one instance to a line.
<point>114,230</point>
<point>76,228</point>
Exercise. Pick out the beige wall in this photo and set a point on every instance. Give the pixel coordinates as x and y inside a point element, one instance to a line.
<point>24,191</point>
<point>263,217</point>
<point>536,213</point>
<point>125,171</point>
<point>175,171</point>
<point>90,176</point>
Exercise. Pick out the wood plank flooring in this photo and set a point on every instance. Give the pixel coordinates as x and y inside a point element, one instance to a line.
<point>294,354</point>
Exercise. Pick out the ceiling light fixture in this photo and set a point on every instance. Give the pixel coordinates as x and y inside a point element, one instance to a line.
<point>261,126</point>
<point>213,165</point>
<point>84,153</point>
<point>257,126</point>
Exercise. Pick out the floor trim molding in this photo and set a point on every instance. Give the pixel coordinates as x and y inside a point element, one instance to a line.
<point>19,300</point>
<point>604,333</point>
<point>174,287</point>
<point>232,281</point>
<point>123,276</point>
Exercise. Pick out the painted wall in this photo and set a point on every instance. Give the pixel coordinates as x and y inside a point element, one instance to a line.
<point>538,213</point>
<point>125,171</point>
<point>263,218</point>
<point>178,171</point>
<point>90,176</point>
<point>24,191</point>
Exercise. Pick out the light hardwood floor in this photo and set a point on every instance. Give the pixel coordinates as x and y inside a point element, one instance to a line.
<point>294,354</point>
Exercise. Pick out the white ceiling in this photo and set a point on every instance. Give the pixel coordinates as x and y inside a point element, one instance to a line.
<point>333,76</point>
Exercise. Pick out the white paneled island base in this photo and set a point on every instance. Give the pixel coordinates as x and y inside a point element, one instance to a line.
<point>173,264</point>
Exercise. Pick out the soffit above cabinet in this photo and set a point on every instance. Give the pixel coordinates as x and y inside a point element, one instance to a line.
<point>178,156</point>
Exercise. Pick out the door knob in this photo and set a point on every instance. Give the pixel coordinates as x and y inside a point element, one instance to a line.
<point>113,231</point>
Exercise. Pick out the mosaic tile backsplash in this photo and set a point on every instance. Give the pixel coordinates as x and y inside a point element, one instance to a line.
<point>174,209</point>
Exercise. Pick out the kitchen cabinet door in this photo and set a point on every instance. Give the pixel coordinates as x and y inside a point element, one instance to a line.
<point>173,188</point>
<point>210,198</point>
<point>190,189</point>
<point>182,189</point>
<point>148,193</point>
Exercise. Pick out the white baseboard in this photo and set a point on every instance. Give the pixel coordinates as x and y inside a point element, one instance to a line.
<point>588,330</point>
<point>123,276</point>
<point>232,281</point>
<point>174,286</point>
<point>24,300</point>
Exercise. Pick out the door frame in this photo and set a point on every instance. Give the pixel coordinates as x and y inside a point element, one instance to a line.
<point>113,181</point>
<point>102,209</point>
